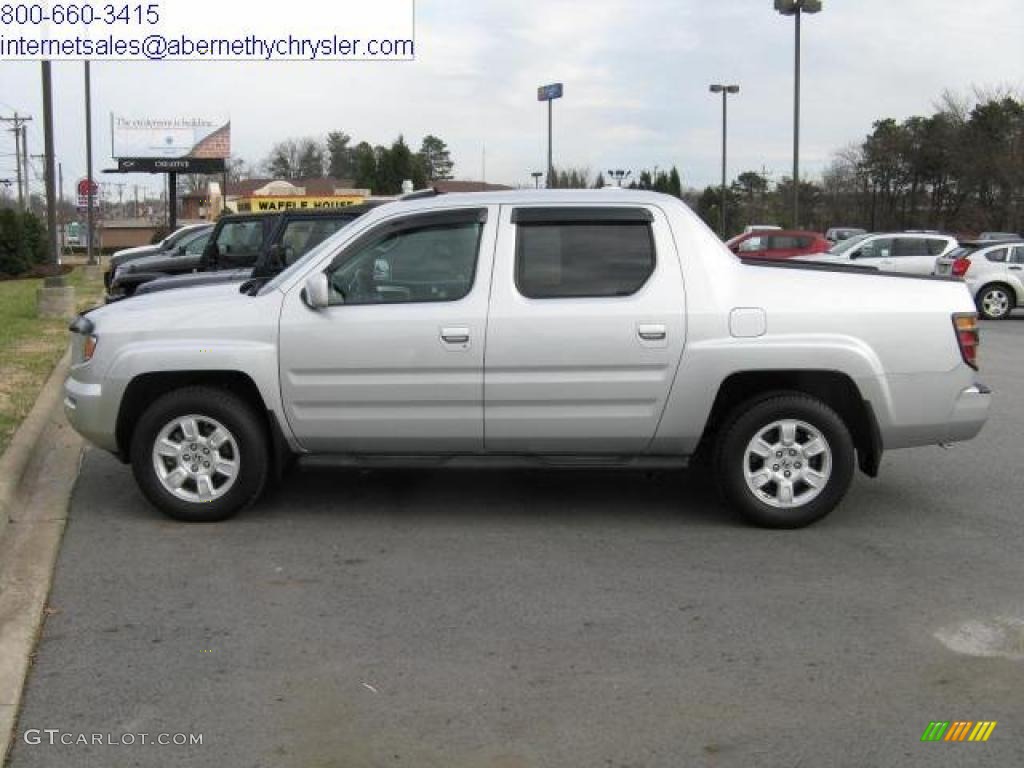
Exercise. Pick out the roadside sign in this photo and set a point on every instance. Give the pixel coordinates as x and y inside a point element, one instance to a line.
<point>549,92</point>
<point>83,187</point>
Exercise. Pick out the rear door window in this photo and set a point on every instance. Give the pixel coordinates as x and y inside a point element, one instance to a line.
<point>576,259</point>
<point>783,243</point>
<point>937,246</point>
<point>1018,255</point>
<point>910,246</point>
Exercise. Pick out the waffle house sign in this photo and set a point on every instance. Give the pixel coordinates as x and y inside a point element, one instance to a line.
<point>263,204</point>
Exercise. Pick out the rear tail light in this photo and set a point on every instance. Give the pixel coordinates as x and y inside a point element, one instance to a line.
<point>967,337</point>
<point>960,267</point>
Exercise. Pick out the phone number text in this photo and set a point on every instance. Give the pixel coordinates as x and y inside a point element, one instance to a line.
<point>109,14</point>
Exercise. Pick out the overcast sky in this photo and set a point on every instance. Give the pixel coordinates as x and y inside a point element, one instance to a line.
<point>635,71</point>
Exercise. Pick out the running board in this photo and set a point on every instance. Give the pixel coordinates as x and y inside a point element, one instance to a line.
<point>495,461</point>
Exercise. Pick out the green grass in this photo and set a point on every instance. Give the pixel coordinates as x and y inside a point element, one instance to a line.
<point>30,347</point>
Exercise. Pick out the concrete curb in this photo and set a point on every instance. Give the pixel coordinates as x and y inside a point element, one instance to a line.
<point>37,475</point>
<point>15,459</point>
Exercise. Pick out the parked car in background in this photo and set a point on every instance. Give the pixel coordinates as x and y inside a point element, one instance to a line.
<point>912,253</point>
<point>986,236</point>
<point>778,244</point>
<point>240,247</point>
<point>173,241</point>
<point>568,328</point>
<point>994,273</point>
<point>838,234</point>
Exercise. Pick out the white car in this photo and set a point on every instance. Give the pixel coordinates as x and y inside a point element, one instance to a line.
<point>912,253</point>
<point>994,273</point>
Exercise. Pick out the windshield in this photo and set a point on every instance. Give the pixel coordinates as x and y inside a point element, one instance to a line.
<point>172,239</point>
<point>848,244</point>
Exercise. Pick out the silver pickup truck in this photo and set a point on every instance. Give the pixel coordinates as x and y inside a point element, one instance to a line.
<point>553,329</point>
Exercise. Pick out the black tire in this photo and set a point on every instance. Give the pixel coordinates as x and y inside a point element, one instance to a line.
<point>992,296</point>
<point>750,420</point>
<point>245,427</point>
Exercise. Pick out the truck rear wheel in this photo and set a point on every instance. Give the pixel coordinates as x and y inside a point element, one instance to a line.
<point>784,461</point>
<point>199,454</point>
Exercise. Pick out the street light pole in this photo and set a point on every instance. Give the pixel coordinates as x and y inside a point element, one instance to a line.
<point>796,122</point>
<point>796,9</point>
<point>725,90</point>
<point>89,224</point>
<point>549,93</point>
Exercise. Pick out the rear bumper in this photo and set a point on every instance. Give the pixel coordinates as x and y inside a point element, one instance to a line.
<point>970,412</point>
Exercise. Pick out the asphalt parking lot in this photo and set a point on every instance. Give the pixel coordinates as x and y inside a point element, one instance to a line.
<point>513,619</point>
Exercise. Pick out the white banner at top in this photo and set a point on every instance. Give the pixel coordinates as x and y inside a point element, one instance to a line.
<point>205,30</point>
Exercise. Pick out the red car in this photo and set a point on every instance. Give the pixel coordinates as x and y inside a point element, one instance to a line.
<point>778,244</point>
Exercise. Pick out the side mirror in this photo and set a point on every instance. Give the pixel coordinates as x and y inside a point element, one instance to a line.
<point>317,291</point>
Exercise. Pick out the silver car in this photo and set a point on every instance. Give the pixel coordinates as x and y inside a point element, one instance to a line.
<point>911,253</point>
<point>994,273</point>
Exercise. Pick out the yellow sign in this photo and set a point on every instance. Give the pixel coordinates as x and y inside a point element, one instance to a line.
<point>295,203</point>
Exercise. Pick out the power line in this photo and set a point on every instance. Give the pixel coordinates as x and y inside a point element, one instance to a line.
<point>18,129</point>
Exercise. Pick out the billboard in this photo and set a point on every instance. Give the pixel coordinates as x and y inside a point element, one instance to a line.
<point>171,138</point>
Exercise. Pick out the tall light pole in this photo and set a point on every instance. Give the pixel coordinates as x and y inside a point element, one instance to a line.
<point>549,93</point>
<point>725,90</point>
<point>89,225</point>
<point>796,9</point>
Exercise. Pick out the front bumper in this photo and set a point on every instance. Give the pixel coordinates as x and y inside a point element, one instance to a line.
<point>89,414</point>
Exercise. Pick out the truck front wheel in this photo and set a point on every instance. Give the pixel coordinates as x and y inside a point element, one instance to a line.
<point>784,461</point>
<point>199,454</point>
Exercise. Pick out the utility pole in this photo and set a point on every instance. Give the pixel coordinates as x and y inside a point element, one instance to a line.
<point>51,180</point>
<point>18,125</point>
<point>62,225</point>
<point>26,169</point>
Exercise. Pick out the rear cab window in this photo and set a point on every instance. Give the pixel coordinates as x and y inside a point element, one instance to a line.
<point>586,252</point>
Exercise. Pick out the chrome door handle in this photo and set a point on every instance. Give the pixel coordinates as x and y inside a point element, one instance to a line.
<point>455,335</point>
<point>652,332</point>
